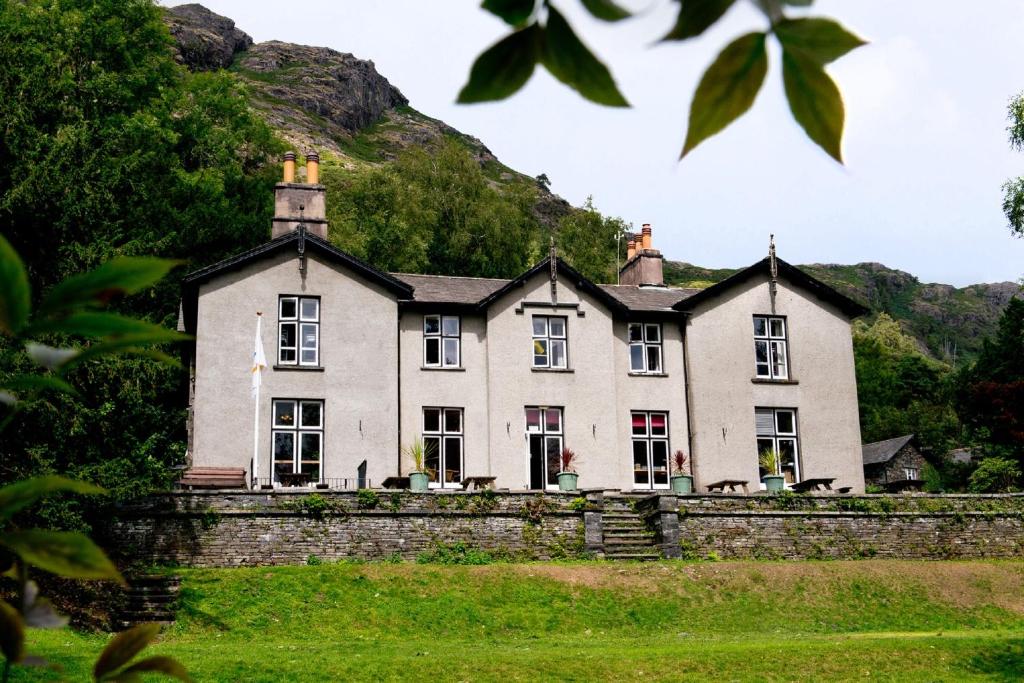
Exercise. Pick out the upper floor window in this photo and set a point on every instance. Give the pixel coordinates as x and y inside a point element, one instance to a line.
<point>770,353</point>
<point>298,438</point>
<point>298,330</point>
<point>645,348</point>
<point>776,431</point>
<point>549,342</point>
<point>441,341</point>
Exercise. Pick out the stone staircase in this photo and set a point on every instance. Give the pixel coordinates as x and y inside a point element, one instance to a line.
<point>626,536</point>
<point>150,598</point>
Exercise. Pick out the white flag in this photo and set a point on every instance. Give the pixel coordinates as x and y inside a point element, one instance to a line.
<point>259,359</point>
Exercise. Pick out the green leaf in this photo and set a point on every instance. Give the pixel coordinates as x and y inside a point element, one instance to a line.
<point>162,664</point>
<point>95,325</point>
<point>815,101</point>
<point>503,68</point>
<point>127,344</point>
<point>696,16</point>
<point>822,40</point>
<point>15,294</point>
<point>727,89</point>
<point>122,275</point>
<point>12,633</point>
<point>122,648</point>
<point>512,12</point>
<point>15,497</point>
<point>22,384</point>
<point>569,60</point>
<point>605,10</point>
<point>65,553</point>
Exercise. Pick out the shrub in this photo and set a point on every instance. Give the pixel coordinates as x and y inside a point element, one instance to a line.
<point>995,475</point>
<point>455,553</point>
<point>314,561</point>
<point>367,499</point>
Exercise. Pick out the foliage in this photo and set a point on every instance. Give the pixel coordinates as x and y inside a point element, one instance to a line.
<point>995,475</point>
<point>367,499</point>
<point>590,242</point>
<point>768,460</point>
<point>416,452</point>
<point>455,553</point>
<point>567,460</point>
<point>541,35</point>
<point>1013,189</point>
<point>900,390</point>
<point>679,459</point>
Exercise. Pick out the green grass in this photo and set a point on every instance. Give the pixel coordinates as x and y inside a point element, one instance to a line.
<point>591,621</point>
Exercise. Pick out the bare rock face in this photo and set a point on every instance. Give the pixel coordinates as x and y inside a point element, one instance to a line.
<point>331,85</point>
<point>204,41</point>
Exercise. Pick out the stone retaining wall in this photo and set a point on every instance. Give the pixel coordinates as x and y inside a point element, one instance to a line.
<point>209,529</point>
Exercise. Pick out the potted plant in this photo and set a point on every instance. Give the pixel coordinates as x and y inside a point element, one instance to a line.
<point>769,460</point>
<point>681,481</point>
<point>419,480</point>
<point>567,477</point>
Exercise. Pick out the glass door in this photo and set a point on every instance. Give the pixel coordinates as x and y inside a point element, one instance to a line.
<point>544,433</point>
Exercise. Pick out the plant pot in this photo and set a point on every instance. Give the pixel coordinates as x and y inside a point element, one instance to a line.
<point>774,483</point>
<point>682,483</point>
<point>567,481</point>
<point>418,481</point>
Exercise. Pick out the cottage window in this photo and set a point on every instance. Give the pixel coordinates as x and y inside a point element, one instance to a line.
<point>776,431</point>
<point>442,341</point>
<point>549,342</point>
<point>298,330</point>
<point>645,348</point>
<point>770,352</point>
<point>298,438</point>
<point>442,445</point>
<point>910,473</point>
<point>650,450</point>
<point>544,433</point>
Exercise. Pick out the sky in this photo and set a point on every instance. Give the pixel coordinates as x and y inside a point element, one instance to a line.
<point>926,146</point>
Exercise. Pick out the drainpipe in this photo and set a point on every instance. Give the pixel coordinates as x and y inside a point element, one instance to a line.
<point>688,390</point>
<point>398,430</point>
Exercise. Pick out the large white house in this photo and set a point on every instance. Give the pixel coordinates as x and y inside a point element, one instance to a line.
<point>497,376</point>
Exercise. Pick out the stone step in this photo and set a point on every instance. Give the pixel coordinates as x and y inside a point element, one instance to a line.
<point>624,524</point>
<point>132,595</point>
<point>149,605</point>
<point>628,533</point>
<point>630,542</point>
<point>644,557</point>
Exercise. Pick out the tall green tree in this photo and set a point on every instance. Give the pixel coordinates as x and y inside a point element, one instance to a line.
<point>591,241</point>
<point>1013,190</point>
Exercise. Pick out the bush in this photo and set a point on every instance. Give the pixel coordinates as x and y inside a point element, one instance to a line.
<point>995,475</point>
<point>455,553</point>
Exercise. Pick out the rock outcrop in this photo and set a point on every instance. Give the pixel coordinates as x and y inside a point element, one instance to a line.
<point>204,41</point>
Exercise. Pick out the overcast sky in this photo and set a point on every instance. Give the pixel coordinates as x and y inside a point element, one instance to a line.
<point>925,146</point>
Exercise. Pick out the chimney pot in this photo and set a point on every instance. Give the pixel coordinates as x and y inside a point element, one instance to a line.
<point>630,249</point>
<point>312,168</point>
<point>289,167</point>
<point>646,232</point>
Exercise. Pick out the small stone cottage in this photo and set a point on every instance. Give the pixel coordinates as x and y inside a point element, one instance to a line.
<point>497,376</point>
<point>893,463</point>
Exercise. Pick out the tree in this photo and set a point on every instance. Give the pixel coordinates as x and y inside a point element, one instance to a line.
<point>1013,190</point>
<point>590,242</point>
<point>542,36</point>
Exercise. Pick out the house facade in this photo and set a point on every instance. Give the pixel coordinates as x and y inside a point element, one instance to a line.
<point>496,377</point>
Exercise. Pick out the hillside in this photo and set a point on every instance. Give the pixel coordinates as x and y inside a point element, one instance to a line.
<point>946,320</point>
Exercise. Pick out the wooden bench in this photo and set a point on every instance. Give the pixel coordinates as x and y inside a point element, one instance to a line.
<point>719,486</point>
<point>396,483</point>
<point>819,484</point>
<point>213,478</point>
<point>478,483</point>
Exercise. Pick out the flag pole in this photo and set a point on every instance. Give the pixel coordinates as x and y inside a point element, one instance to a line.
<point>256,412</point>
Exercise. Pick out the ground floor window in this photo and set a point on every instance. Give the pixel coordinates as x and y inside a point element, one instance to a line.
<point>442,446</point>
<point>544,432</point>
<point>298,440</point>
<point>650,450</point>
<point>910,473</point>
<point>776,431</point>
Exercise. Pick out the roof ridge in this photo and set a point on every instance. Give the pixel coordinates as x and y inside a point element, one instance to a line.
<point>893,438</point>
<point>451,277</point>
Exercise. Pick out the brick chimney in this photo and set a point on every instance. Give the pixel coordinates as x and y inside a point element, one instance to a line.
<point>643,265</point>
<point>296,203</point>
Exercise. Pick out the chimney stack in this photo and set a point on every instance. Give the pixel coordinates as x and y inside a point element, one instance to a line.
<point>630,249</point>
<point>300,203</point>
<point>644,263</point>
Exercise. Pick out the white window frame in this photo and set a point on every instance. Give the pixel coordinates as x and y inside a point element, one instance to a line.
<point>775,342</point>
<point>649,339</point>
<point>549,340</point>
<point>297,431</point>
<point>443,338</point>
<point>301,324</point>
<point>779,436</point>
<point>648,438</point>
<point>547,435</point>
<point>910,473</point>
<point>443,435</point>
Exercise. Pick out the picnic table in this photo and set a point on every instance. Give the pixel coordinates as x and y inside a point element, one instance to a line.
<point>478,483</point>
<point>396,483</point>
<point>819,484</point>
<point>731,483</point>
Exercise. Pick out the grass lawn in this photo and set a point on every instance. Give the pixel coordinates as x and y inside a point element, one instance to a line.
<point>758,621</point>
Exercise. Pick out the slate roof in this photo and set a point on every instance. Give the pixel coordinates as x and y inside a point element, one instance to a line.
<point>450,290</point>
<point>648,299</point>
<point>882,451</point>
